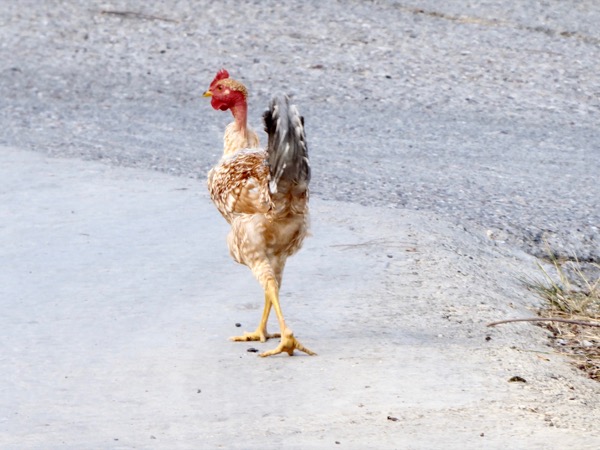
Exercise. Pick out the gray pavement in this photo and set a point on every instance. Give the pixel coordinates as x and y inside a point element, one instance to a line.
<point>449,143</point>
<point>118,295</point>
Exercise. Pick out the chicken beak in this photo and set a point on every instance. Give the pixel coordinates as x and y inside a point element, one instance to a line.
<point>207,94</point>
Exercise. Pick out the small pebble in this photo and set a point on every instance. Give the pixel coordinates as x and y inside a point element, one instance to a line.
<point>517,379</point>
<point>252,350</point>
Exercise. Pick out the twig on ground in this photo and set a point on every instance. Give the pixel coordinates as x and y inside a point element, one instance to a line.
<point>540,319</point>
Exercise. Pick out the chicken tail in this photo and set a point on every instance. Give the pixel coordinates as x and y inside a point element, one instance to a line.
<point>287,151</point>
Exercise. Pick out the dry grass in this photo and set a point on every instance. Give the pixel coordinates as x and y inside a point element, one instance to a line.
<point>572,292</point>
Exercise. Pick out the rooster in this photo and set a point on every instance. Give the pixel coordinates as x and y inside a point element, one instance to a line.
<point>263,195</point>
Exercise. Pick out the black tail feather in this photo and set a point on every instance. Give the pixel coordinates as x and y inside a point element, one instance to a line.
<point>287,150</point>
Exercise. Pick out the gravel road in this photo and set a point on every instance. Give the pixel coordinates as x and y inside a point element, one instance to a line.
<point>483,112</point>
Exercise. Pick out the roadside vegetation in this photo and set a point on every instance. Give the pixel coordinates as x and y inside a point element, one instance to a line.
<point>571,291</point>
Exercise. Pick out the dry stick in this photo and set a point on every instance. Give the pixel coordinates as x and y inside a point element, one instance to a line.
<point>539,319</point>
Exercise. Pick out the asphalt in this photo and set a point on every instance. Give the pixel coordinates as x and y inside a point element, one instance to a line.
<point>483,112</point>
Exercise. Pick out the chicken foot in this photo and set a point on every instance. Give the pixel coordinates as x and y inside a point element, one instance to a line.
<point>260,334</point>
<point>288,342</point>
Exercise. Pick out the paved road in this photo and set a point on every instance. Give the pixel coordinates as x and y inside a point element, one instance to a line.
<point>434,123</point>
<point>484,112</point>
<point>118,295</point>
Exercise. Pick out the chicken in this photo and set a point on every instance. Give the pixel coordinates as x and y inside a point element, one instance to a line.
<point>263,195</point>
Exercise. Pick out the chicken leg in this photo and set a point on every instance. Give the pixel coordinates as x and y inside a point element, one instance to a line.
<point>288,342</point>
<point>260,334</point>
<point>270,279</point>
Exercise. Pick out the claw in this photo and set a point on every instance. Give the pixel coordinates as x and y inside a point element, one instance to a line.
<point>288,344</point>
<point>257,335</point>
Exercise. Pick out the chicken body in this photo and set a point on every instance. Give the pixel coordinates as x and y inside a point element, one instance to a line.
<point>263,195</point>
<point>263,225</point>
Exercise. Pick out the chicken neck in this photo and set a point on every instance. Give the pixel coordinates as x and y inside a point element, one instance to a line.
<point>237,134</point>
<point>240,115</point>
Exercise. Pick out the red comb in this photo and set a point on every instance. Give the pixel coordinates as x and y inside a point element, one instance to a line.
<point>221,74</point>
